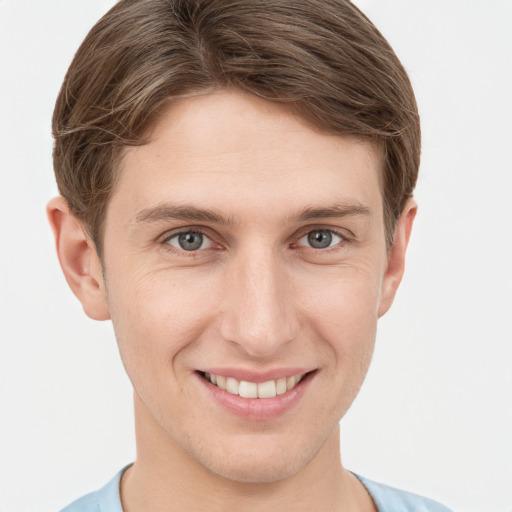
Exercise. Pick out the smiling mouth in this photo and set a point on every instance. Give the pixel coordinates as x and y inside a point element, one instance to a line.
<point>246,389</point>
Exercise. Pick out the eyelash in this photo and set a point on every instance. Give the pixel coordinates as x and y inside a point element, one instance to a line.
<point>193,231</point>
<point>344,239</point>
<point>329,248</point>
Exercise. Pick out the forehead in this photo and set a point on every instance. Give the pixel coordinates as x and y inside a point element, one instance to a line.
<point>234,151</point>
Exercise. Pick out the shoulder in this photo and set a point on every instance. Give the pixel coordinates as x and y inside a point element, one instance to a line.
<point>87,503</point>
<point>106,499</point>
<point>389,499</point>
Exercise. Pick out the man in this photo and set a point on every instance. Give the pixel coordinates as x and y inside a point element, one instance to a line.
<point>236,181</point>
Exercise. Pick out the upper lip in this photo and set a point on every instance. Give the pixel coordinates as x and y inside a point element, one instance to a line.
<point>256,376</point>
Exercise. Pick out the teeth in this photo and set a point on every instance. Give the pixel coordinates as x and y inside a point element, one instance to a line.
<point>267,389</point>
<point>221,381</point>
<point>281,386</point>
<point>290,382</point>
<point>247,389</point>
<point>232,386</point>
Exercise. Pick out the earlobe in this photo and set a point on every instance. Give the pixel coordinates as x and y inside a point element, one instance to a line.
<point>396,257</point>
<point>78,259</point>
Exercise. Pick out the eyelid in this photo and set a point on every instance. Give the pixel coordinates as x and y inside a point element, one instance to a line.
<point>346,237</point>
<point>205,239</point>
<point>334,233</point>
<point>342,238</point>
<point>166,237</point>
<point>344,233</point>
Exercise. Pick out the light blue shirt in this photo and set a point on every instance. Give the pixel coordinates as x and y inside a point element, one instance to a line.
<point>387,499</point>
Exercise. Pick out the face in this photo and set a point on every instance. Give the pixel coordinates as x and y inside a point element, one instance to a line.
<point>245,248</point>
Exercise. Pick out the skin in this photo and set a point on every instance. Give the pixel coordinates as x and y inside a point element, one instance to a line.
<point>256,296</point>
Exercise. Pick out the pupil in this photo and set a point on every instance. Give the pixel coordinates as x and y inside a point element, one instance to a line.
<point>320,239</point>
<point>190,241</point>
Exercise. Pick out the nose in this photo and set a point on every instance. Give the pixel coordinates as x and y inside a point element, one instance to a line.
<point>258,311</point>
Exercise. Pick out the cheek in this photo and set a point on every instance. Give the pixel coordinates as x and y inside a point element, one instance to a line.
<point>156,317</point>
<point>343,316</point>
<point>343,300</point>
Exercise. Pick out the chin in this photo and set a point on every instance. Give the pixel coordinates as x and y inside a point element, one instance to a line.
<point>256,462</point>
<point>255,472</point>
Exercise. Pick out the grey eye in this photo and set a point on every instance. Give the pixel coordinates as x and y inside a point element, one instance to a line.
<point>320,239</point>
<point>190,241</point>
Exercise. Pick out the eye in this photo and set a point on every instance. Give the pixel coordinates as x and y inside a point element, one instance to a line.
<point>190,241</point>
<point>320,239</point>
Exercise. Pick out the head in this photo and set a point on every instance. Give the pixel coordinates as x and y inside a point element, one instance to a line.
<point>264,154</point>
<point>323,58</point>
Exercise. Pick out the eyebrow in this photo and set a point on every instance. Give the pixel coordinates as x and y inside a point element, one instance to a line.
<point>335,211</point>
<point>185,212</point>
<point>193,213</point>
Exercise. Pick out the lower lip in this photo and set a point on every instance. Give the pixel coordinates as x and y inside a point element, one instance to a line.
<point>258,408</point>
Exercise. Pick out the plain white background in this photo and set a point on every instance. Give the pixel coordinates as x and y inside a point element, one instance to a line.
<point>435,413</point>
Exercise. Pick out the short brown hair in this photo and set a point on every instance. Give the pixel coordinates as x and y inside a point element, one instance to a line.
<point>324,57</point>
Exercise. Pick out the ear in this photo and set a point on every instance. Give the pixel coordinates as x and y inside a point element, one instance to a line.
<point>78,259</point>
<point>396,257</point>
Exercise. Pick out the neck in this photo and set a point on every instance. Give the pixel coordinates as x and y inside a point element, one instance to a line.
<point>165,477</point>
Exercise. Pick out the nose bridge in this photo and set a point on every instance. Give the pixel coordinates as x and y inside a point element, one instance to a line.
<point>258,311</point>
